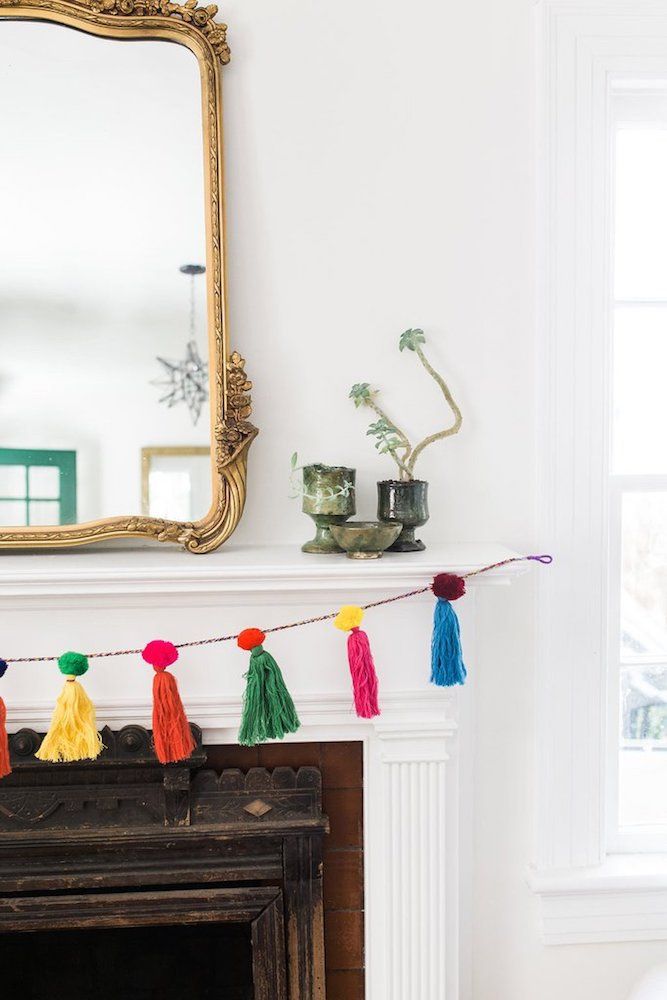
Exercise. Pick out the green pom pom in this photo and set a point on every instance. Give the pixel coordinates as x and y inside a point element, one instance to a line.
<point>73,664</point>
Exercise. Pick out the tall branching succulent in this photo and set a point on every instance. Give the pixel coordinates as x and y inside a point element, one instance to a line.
<point>389,438</point>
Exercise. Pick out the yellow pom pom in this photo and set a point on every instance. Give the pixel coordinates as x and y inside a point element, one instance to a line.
<point>349,617</point>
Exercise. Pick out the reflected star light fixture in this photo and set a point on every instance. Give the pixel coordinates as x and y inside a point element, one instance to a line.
<point>186,381</point>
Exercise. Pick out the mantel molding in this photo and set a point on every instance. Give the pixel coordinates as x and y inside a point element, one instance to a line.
<point>406,716</point>
<point>257,574</point>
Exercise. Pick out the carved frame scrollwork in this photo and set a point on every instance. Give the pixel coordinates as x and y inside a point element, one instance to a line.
<point>194,26</point>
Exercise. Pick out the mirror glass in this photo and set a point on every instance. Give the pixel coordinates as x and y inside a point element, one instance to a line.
<point>176,482</point>
<point>101,205</point>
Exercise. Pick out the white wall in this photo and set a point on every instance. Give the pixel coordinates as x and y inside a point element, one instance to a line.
<point>380,175</point>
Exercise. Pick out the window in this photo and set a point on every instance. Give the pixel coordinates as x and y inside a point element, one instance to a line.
<point>37,487</point>
<point>600,861</point>
<point>638,471</point>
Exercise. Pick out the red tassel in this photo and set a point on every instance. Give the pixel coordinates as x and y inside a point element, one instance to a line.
<point>172,735</point>
<point>364,677</point>
<point>5,764</point>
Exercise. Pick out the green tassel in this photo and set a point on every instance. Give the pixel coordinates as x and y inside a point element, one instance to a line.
<point>268,709</point>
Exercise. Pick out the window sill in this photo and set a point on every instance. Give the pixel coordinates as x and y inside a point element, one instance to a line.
<point>624,899</point>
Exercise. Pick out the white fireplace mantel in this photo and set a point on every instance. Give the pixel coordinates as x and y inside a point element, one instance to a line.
<point>249,571</point>
<point>417,754</point>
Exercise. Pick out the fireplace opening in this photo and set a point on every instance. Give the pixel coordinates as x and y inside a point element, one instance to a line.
<point>220,876</point>
<point>196,962</point>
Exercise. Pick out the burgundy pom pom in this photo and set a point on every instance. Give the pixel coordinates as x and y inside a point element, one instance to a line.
<point>160,654</point>
<point>448,586</point>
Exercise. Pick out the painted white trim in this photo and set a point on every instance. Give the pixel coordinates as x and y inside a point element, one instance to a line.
<point>571,498</point>
<point>433,708</point>
<point>625,899</point>
<point>246,570</point>
<point>584,47</point>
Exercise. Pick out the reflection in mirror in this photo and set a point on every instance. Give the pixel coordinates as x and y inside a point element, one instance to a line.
<point>102,203</point>
<point>176,482</point>
<point>37,487</point>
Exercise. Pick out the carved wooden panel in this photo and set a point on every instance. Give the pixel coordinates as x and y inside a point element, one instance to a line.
<point>246,844</point>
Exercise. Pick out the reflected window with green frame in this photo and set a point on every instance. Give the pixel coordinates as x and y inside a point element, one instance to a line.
<point>37,487</point>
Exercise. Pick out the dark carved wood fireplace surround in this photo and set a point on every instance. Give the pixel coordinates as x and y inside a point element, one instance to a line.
<point>123,842</point>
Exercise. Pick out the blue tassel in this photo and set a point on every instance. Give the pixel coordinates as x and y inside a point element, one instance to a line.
<point>447,667</point>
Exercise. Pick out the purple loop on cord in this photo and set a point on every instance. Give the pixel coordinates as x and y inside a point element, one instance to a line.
<point>545,559</point>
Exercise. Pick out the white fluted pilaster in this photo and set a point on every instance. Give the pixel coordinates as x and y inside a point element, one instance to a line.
<point>411,869</point>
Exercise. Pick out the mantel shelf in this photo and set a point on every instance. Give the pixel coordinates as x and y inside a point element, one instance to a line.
<point>239,569</point>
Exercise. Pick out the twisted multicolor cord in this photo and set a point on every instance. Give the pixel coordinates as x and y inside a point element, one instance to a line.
<point>544,558</point>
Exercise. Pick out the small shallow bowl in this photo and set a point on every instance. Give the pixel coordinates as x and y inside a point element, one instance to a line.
<point>365,539</point>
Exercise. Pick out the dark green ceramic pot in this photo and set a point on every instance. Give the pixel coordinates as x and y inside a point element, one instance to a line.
<point>329,497</point>
<point>404,503</point>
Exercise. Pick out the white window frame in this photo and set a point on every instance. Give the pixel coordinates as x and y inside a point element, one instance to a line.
<point>587,893</point>
<point>629,105</point>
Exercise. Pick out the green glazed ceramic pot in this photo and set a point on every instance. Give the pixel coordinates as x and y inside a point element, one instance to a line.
<point>329,497</point>
<point>406,503</point>
<point>365,539</point>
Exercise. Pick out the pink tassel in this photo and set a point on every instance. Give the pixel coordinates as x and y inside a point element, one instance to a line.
<point>362,668</point>
<point>364,677</point>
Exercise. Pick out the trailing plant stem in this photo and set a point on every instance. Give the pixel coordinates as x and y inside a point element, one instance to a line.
<point>401,461</point>
<point>412,456</point>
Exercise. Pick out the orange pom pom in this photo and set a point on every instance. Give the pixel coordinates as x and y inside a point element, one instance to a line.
<point>250,638</point>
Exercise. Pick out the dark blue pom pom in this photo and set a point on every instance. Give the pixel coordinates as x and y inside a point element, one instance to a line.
<point>3,667</point>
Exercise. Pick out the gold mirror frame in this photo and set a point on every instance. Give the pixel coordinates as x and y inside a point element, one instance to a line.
<point>231,433</point>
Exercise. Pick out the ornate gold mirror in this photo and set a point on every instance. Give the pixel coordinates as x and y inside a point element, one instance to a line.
<point>113,338</point>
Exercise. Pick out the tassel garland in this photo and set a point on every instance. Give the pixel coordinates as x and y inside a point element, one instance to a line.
<point>447,667</point>
<point>73,731</point>
<point>172,735</point>
<point>268,709</point>
<point>5,765</point>
<point>360,658</point>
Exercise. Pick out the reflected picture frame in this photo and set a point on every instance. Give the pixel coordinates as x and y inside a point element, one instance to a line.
<point>229,388</point>
<point>151,456</point>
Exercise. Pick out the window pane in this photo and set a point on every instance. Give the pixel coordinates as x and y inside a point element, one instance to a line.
<point>44,512</point>
<point>641,213</point>
<point>12,480</point>
<point>640,400</point>
<point>12,513</point>
<point>44,481</point>
<point>643,756</point>
<point>644,574</point>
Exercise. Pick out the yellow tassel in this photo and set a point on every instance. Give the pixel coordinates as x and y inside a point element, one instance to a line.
<point>73,731</point>
<point>350,616</point>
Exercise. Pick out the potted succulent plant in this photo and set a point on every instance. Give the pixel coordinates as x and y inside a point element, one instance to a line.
<point>404,500</point>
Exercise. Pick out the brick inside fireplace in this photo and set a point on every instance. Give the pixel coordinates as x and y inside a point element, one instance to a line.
<point>87,862</point>
<point>341,766</point>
